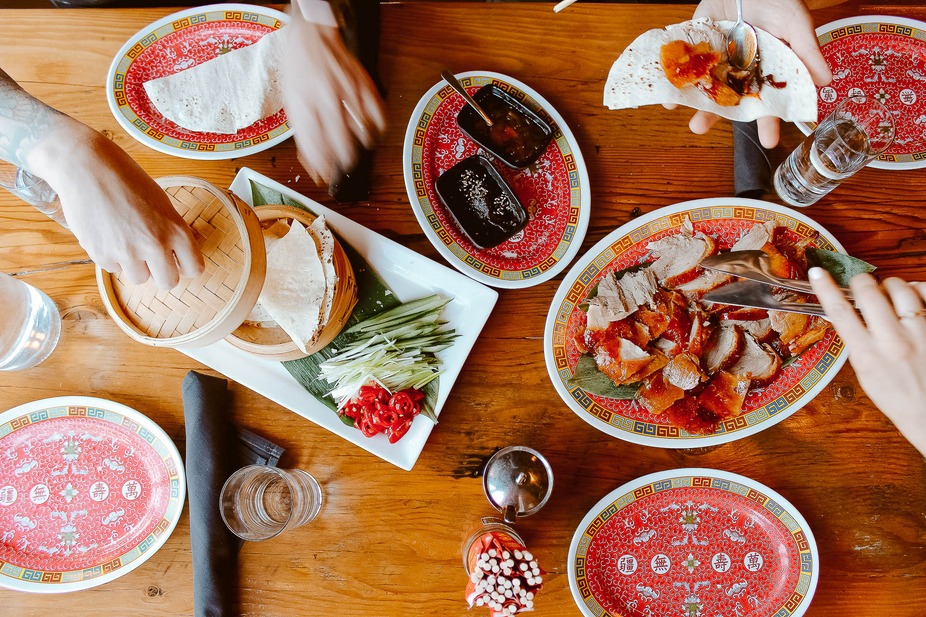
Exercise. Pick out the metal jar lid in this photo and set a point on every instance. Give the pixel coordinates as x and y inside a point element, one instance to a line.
<point>517,481</point>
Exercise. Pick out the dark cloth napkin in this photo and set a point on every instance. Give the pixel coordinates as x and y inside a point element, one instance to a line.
<point>214,450</point>
<point>752,168</point>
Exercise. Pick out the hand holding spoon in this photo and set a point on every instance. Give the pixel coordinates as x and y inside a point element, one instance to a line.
<point>742,45</point>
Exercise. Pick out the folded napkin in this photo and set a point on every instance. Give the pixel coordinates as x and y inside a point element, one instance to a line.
<point>214,450</point>
<point>752,169</point>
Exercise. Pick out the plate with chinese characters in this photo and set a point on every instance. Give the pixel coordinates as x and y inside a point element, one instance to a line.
<point>178,42</point>
<point>693,542</point>
<point>89,490</point>
<point>554,190</point>
<point>883,57</point>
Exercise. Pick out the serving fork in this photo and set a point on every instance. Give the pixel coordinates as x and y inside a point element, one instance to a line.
<point>756,266</point>
<point>753,294</point>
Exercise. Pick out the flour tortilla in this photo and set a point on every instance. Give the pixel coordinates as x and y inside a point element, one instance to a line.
<point>227,93</point>
<point>637,78</point>
<point>259,314</point>
<point>325,241</point>
<point>294,287</point>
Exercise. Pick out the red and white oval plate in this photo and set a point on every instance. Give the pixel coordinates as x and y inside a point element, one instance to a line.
<point>885,58</point>
<point>692,542</point>
<point>554,191</point>
<point>89,490</point>
<point>176,43</point>
<point>725,219</point>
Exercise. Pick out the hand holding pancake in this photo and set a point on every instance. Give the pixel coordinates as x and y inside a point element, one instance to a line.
<point>120,216</point>
<point>788,20</point>
<point>888,350</point>
<point>330,100</point>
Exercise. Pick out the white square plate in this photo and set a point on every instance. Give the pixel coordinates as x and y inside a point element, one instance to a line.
<point>410,276</point>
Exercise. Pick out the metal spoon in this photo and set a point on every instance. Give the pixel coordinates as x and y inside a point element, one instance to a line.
<point>742,44</point>
<point>452,80</point>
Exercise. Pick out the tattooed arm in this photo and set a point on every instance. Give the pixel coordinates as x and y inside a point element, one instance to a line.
<point>120,216</point>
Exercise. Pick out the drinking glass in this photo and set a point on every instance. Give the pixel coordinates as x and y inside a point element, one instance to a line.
<point>258,502</point>
<point>858,130</point>
<point>32,190</point>
<point>30,327</point>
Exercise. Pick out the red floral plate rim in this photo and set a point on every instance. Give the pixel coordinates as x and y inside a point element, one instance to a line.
<point>66,407</point>
<point>633,236</point>
<point>461,259</point>
<point>764,501</point>
<point>841,30</point>
<point>156,136</point>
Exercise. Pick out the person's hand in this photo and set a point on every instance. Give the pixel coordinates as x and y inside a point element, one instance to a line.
<point>330,100</point>
<point>888,349</point>
<point>788,20</point>
<point>120,216</point>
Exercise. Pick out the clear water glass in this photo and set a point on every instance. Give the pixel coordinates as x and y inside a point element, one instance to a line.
<point>30,327</point>
<point>32,190</point>
<point>259,502</point>
<point>853,135</point>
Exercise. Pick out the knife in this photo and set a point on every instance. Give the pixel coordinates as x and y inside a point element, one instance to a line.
<point>753,294</point>
<point>755,266</point>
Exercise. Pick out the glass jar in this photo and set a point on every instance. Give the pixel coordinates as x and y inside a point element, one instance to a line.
<point>489,526</point>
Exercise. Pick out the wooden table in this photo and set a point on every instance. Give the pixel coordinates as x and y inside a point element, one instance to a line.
<point>388,541</point>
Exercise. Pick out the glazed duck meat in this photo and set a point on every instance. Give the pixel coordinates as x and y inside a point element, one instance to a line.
<point>694,361</point>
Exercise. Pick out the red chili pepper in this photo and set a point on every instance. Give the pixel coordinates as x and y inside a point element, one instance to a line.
<point>367,428</point>
<point>398,430</point>
<point>402,403</point>
<point>375,411</point>
<point>352,410</point>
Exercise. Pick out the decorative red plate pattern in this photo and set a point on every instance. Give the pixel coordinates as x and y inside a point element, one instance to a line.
<point>725,220</point>
<point>885,58</point>
<point>554,190</point>
<point>89,489</point>
<point>692,542</point>
<point>179,42</point>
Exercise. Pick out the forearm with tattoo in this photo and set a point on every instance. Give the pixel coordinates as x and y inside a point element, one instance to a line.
<point>24,121</point>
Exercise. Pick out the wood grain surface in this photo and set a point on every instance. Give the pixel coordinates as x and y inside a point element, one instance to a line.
<point>388,542</point>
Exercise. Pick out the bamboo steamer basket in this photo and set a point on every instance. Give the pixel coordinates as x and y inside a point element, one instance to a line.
<point>271,342</point>
<point>202,311</point>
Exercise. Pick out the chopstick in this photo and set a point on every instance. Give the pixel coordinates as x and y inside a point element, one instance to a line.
<point>562,4</point>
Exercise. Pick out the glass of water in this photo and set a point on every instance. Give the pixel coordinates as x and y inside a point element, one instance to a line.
<point>258,502</point>
<point>32,190</point>
<point>30,327</point>
<point>858,130</point>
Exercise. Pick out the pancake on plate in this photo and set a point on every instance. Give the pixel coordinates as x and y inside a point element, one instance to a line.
<point>226,94</point>
<point>687,64</point>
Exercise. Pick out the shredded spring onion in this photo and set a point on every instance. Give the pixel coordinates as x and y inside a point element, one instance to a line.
<point>394,348</point>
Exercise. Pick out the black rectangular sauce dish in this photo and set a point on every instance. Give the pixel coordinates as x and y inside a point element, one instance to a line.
<point>481,202</point>
<point>517,136</point>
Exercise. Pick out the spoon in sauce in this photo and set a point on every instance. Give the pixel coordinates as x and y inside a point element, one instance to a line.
<point>742,44</point>
<point>452,80</point>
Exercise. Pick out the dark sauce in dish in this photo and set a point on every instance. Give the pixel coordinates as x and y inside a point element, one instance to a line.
<point>482,204</point>
<point>517,136</point>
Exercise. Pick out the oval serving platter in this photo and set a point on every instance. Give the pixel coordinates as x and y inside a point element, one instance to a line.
<point>883,57</point>
<point>178,42</point>
<point>725,219</point>
<point>554,191</point>
<point>693,542</point>
<point>89,490</point>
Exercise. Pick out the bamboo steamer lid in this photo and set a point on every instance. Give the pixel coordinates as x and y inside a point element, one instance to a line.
<point>271,342</point>
<point>204,310</point>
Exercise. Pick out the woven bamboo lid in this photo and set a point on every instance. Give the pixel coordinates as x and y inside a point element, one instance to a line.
<point>203,310</point>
